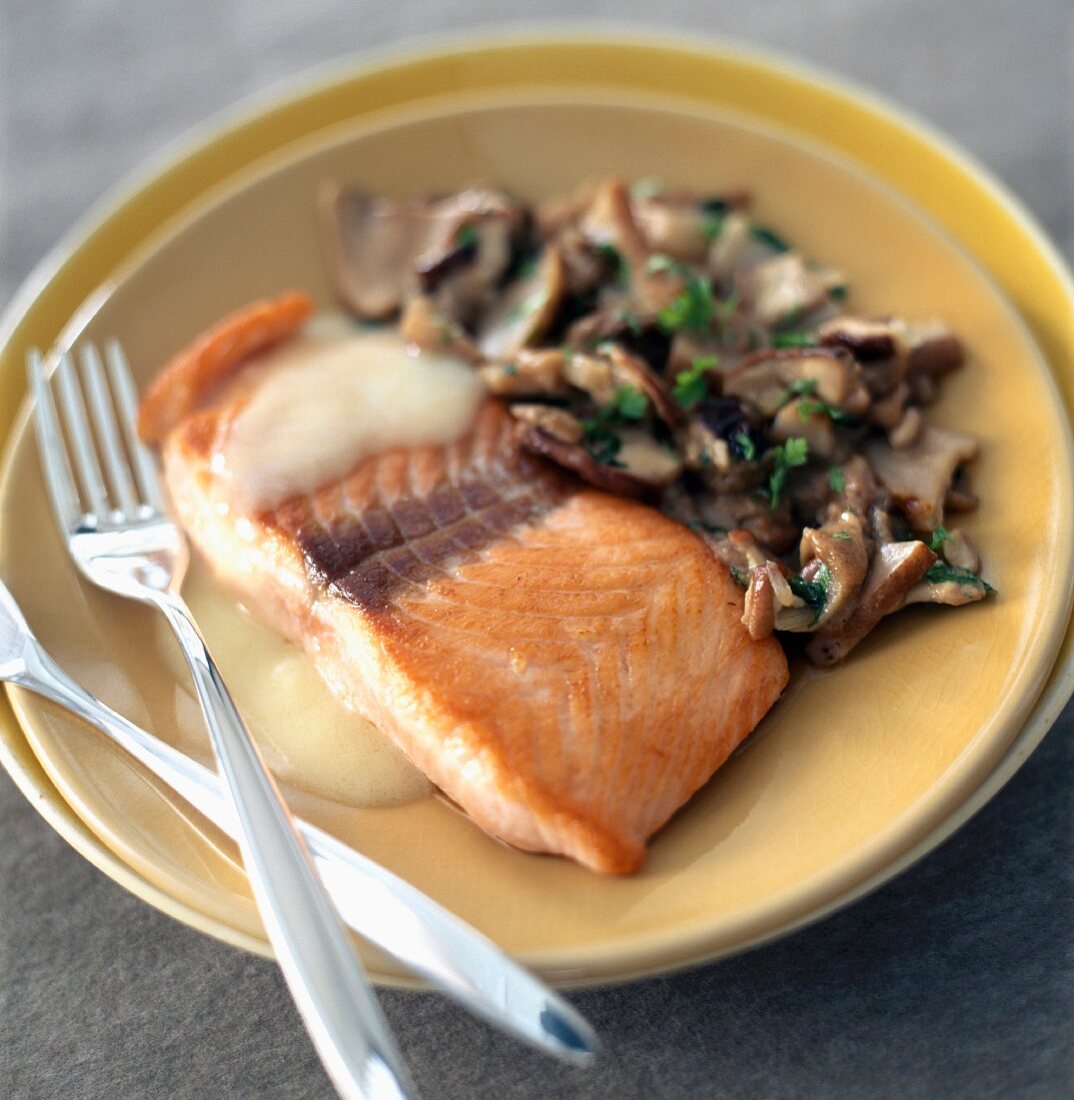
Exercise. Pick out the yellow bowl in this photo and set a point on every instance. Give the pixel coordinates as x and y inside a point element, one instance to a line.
<point>802,822</point>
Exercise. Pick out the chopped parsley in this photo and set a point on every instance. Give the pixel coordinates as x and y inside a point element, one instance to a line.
<point>614,257</point>
<point>694,307</point>
<point>842,536</point>
<point>630,403</point>
<point>691,386</point>
<point>941,573</point>
<point>746,446</point>
<point>838,293</point>
<point>837,479</point>
<point>510,369</point>
<point>807,408</point>
<point>712,226</point>
<point>793,339</point>
<point>766,236</point>
<point>804,387</point>
<point>939,537</point>
<point>715,206</point>
<point>795,452</point>
<point>813,593</point>
<point>742,576</point>
<point>466,236</point>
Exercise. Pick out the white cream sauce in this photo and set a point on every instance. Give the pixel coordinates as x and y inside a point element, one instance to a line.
<point>307,736</point>
<point>333,396</point>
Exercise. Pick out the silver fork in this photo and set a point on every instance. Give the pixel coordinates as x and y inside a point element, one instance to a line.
<point>125,541</point>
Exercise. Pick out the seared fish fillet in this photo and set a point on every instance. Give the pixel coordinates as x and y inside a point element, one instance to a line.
<point>566,665</point>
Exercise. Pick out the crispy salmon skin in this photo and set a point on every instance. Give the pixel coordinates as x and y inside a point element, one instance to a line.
<point>566,665</point>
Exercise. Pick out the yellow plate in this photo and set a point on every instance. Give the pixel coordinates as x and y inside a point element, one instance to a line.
<point>858,771</point>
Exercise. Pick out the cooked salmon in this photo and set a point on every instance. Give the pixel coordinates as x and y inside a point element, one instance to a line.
<point>568,666</point>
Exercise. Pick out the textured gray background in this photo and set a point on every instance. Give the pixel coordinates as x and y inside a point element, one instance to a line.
<point>957,980</point>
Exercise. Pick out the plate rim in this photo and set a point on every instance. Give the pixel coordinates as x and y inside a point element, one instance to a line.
<point>291,93</point>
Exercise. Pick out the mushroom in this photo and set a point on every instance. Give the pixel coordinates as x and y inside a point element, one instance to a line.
<point>908,430</point>
<point>646,468</point>
<point>919,476</point>
<point>765,377</point>
<point>371,244</point>
<point>525,310</point>
<point>782,287</point>
<point>797,420</point>
<point>675,226</point>
<point>930,347</point>
<point>534,372</point>
<point>423,327</point>
<point>381,250</point>
<point>842,550</point>
<point>867,340</point>
<point>603,374</point>
<point>896,569</point>
<point>771,527</point>
<point>553,421</point>
<point>733,247</point>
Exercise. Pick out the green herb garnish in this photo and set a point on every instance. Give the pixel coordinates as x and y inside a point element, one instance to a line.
<point>466,236</point>
<point>793,339</point>
<point>712,226</point>
<point>630,319</point>
<point>807,408</point>
<point>804,387</point>
<point>630,403</point>
<point>838,293</point>
<point>766,236</point>
<point>837,479</point>
<point>941,573</point>
<point>619,265</point>
<point>939,537</point>
<point>813,593</point>
<point>691,386</point>
<point>694,307</point>
<point>842,536</point>
<point>795,452</point>
<point>510,369</point>
<point>747,448</point>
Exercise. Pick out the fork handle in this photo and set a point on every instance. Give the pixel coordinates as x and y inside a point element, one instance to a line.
<point>324,975</point>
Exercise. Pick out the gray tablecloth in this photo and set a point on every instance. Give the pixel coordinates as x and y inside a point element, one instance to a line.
<point>957,980</point>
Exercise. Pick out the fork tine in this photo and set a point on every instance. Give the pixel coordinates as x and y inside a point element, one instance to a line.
<point>85,452</point>
<point>51,447</point>
<point>127,400</point>
<point>104,421</point>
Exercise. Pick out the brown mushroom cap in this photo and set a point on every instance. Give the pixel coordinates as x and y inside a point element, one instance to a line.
<point>782,287</point>
<point>578,460</point>
<point>764,378</point>
<point>919,476</point>
<point>525,309</point>
<point>842,547</point>
<point>423,327</point>
<point>930,347</point>
<point>867,340</point>
<point>895,570</point>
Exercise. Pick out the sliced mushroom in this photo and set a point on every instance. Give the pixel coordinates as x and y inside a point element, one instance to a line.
<point>765,377</point>
<point>895,570</point>
<point>889,411</point>
<point>795,420</point>
<point>525,309</point>
<point>371,244</point>
<point>630,370</point>
<point>919,476</point>
<point>558,423</point>
<point>930,347</point>
<point>382,250</point>
<point>908,430</point>
<point>733,248</point>
<point>423,327</point>
<point>773,528</point>
<point>782,287</point>
<point>867,340</point>
<point>842,548</point>
<point>674,226</point>
<point>957,550</point>
<point>534,372</point>
<point>643,474</point>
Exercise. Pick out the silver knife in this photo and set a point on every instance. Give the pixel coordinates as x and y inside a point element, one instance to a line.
<point>390,913</point>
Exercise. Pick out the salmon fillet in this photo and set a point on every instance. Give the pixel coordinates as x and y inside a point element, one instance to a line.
<point>566,665</point>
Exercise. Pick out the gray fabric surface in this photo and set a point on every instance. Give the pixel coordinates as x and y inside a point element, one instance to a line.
<point>954,981</point>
